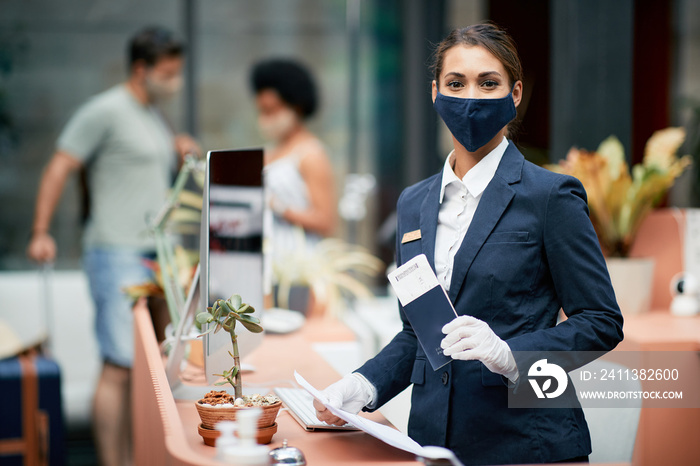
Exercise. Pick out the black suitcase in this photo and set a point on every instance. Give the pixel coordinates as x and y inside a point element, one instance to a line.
<point>31,419</point>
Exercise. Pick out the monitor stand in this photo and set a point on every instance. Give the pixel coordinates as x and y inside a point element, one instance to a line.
<point>181,390</point>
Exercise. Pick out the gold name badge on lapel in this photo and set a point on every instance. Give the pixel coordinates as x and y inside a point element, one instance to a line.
<point>410,236</point>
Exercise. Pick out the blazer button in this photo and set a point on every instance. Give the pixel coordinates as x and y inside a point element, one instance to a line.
<point>445,378</point>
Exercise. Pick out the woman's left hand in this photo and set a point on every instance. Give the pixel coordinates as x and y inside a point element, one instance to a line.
<point>469,338</point>
<point>277,206</point>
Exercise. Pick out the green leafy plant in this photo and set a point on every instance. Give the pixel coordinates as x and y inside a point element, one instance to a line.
<point>225,314</point>
<point>333,269</point>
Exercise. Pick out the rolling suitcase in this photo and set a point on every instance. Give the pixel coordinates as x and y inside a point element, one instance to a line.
<point>31,420</point>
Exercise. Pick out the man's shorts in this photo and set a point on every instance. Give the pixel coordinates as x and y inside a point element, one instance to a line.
<point>109,271</point>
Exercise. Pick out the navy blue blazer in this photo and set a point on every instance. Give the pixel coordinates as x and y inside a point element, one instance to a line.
<point>529,251</point>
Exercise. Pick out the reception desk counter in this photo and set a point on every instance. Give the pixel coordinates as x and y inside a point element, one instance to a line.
<point>165,430</point>
<point>661,331</point>
<point>666,435</point>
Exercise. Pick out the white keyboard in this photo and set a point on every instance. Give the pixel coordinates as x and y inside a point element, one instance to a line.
<point>300,405</point>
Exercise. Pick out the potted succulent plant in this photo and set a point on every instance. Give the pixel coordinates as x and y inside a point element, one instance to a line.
<point>218,406</point>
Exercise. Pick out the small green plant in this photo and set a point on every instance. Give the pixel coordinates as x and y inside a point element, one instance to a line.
<point>226,314</point>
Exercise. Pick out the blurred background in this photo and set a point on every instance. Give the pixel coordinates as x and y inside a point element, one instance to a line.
<point>593,68</point>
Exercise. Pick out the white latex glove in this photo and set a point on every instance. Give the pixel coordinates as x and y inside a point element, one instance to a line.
<point>469,338</point>
<point>351,393</point>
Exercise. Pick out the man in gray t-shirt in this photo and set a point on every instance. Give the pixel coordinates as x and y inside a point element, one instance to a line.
<point>129,153</point>
<point>127,149</point>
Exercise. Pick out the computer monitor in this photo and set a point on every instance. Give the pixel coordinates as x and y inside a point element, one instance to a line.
<point>231,250</point>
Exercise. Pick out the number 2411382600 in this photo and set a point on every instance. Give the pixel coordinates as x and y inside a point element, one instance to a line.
<point>630,374</point>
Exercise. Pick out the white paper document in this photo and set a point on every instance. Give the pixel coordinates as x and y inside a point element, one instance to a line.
<point>413,279</point>
<point>384,433</point>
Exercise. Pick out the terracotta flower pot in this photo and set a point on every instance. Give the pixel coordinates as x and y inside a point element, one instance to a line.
<point>264,435</point>
<point>210,415</point>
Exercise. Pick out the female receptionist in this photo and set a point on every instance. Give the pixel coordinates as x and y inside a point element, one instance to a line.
<point>512,244</point>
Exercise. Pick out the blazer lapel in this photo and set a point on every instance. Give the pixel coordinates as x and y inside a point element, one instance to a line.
<point>428,220</point>
<point>493,203</point>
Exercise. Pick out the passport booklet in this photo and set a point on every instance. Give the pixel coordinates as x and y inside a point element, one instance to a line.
<point>426,305</point>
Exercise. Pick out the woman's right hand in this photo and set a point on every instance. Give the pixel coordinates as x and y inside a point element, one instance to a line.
<point>351,393</point>
<point>42,247</point>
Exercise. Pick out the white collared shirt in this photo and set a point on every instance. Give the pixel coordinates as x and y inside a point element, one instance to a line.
<point>458,202</point>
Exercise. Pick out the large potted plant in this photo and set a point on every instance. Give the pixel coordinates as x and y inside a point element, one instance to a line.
<point>619,202</point>
<point>218,406</point>
<point>330,271</point>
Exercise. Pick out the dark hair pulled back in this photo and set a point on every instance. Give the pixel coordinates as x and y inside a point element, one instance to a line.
<point>488,35</point>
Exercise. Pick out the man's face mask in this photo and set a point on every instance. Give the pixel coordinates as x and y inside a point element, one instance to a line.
<point>160,89</point>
